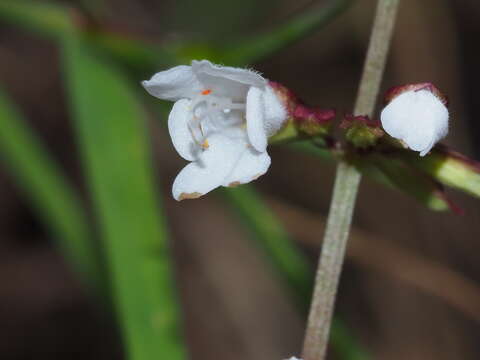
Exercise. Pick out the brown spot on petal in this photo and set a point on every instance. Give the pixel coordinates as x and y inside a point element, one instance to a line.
<point>237,183</point>
<point>186,196</point>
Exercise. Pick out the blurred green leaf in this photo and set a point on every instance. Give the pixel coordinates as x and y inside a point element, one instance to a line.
<point>282,252</point>
<point>344,343</point>
<point>194,18</point>
<point>112,134</point>
<point>50,193</point>
<point>308,147</point>
<point>44,18</point>
<point>139,56</point>
<point>409,180</point>
<point>450,168</point>
<point>186,51</point>
<point>95,8</point>
<point>262,45</point>
<point>53,21</point>
<point>287,261</point>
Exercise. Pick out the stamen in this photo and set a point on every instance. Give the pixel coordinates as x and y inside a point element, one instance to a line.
<point>214,109</point>
<point>192,132</point>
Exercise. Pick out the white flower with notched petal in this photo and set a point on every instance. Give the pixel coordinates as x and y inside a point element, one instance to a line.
<point>221,120</point>
<point>416,115</point>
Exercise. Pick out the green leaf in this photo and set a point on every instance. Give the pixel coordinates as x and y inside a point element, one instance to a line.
<point>409,180</point>
<point>287,261</point>
<point>54,21</point>
<point>137,55</point>
<point>112,135</point>
<point>53,198</point>
<point>194,18</point>
<point>43,18</point>
<point>262,45</point>
<point>95,8</point>
<point>282,253</point>
<point>344,344</point>
<point>450,168</point>
<point>308,147</point>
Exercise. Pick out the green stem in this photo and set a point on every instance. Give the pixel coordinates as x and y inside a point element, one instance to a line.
<point>345,192</point>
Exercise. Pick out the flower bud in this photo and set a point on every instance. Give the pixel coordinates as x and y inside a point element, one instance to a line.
<point>361,131</point>
<point>417,115</point>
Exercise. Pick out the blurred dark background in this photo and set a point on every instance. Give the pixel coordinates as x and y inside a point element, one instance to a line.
<point>410,284</point>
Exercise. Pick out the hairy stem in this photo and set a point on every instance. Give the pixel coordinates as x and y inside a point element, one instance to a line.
<point>345,192</point>
<point>376,57</point>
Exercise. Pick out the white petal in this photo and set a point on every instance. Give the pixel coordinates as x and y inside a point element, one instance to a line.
<point>210,170</point>
<point>237,133</point>
<point>180,133</point>
<point>250,166</point>
<point>275,112</point>
<point>226,81</point>
<point>427,149</point>
<point>418,118</point>
<point>244,76</point>
<point>173,84</point>
<point>255,113</point>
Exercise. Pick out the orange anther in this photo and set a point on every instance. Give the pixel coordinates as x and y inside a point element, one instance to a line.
<point>206,92</point>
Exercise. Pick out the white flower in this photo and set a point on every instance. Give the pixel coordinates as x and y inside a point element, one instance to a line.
<point>221,120</point>
<point>417,117</point>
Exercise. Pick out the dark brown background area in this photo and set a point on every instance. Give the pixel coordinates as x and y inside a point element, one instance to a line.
<point>410,285</point>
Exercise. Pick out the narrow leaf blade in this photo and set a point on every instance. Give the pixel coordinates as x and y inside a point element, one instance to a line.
<point>450,168</point>
<point>53,198</point>
<point>410,181</point>
<point>53,21</point>
<point>113,140</point>
<point>295,29</point>
<point>281,251</point>
<point>44,18</point>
